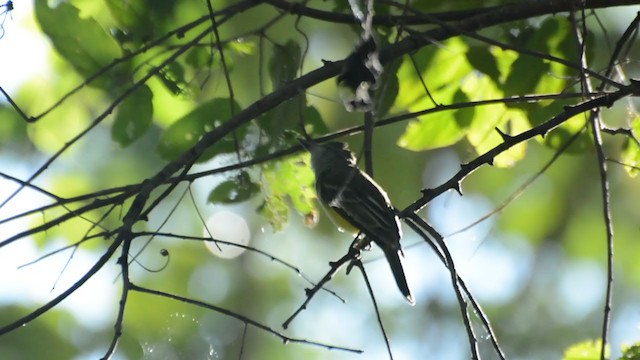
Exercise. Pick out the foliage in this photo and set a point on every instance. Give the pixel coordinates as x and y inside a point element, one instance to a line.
<point>158,114</point>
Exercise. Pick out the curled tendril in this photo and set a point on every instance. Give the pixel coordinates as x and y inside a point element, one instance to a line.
<point>164,253</point>
<point>8,7</point>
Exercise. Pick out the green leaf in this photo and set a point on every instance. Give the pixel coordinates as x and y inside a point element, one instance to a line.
<point>556,37</point>
<point>289,179</point>
<point>133,17</point>
<point>388,87</point>
<point>631,352</point>
<point>504,61</point>
<point>560,42</point>
<point>284,63</point>
<point>276,211</point>
<point>285,116</point>
<point>12,126</point>
<point>172,76</point>
<point>558,137</point>
<point>133,117</point>
<point>188,130</point>
<point>484,61</point>
<point>82,42</point>
<point>486,119</point>
<point>198,57</point>
<point>526,73</point>
<point>242,46</point>
<point>441,69</point>
<point>631,150</point>
<point>529,74</point>
<point>314,125</point>
<point>586,350</point>
<point>432,131</point>
<point>283,67</point>
<point>234,191</point>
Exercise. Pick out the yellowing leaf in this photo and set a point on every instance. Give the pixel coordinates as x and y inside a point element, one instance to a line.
<point>586,350</point>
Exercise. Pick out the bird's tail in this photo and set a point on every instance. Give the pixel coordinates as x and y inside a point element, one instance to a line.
<point>393,258</point>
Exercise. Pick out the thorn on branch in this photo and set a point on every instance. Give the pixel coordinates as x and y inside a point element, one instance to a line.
<point>505,137</point>
<point>635,90</point>
<point>465,169</point>
<point>428,193</point>
<point>458,188</point>
<point>352,255</point>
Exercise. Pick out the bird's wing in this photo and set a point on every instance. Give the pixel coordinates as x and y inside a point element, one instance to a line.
<point>364,204</point>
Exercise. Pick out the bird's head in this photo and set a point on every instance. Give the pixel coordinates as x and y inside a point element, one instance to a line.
<point>329,154</point>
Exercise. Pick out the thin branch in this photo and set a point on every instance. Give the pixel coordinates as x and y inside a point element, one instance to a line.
<point>15,106</point>
<point>424,84</point>
<point>520,190</point>
<point>353,254</point>
<point>391,120</point>
<point>241,246</point>
<point>126,283</point>
<point>623,164</point>
<point>448,261</point>
<point>52,303</point>
<point>476,306</point>
<point>62,218</point>
<point>606,213</point>
<point>164,221</point>
<point>75,248</point>
<point>624,38</point>
<point>358,264</point>
<point>596,126</point>
<point>203,222</point>
<point>243,319</point>
<point>225,70</point>
<point>244,340</point>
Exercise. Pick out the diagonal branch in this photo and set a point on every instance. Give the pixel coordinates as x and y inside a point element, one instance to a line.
<point>244,319</point>
<point>510,141</point>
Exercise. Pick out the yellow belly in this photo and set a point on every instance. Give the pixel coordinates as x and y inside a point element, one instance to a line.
<point>342,223</point>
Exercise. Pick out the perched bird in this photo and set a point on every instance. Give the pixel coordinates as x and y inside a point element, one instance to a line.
<point>358,201</point>
<point>359,76</point>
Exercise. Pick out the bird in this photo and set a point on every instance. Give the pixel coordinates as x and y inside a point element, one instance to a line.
<point>359,203</point>
<point>359,76</point>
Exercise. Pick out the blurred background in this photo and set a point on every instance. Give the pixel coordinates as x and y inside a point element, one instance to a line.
<point>537,267</point>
